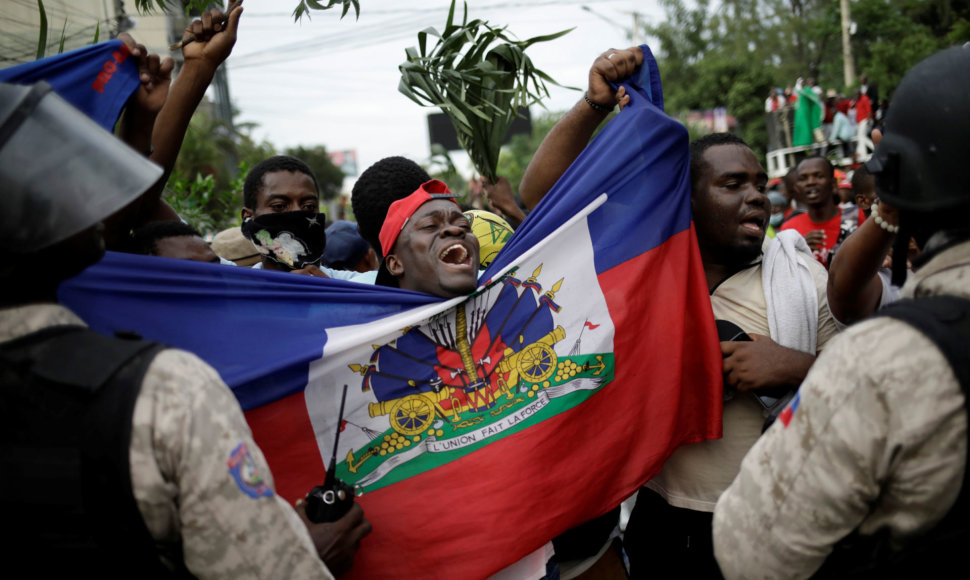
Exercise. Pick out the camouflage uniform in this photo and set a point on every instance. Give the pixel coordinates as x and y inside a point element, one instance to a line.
<point>878,439</point>
<point>187,429</point>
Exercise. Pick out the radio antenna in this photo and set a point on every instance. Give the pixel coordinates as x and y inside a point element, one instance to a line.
<point>331,475</point>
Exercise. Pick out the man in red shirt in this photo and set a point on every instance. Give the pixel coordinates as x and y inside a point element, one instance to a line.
<point>823,223</point>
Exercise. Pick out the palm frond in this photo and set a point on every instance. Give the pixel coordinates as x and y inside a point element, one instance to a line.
<point>305,6</point>
<point>478,75</point>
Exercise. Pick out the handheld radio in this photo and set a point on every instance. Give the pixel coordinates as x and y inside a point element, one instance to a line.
<point>330,501</point>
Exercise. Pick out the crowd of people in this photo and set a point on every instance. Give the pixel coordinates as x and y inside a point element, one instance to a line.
<point>827,116</point>
<point>844,431</point>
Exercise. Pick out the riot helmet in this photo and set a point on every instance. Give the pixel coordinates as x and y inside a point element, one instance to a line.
<point>919,166</point>
<point>60,172</point>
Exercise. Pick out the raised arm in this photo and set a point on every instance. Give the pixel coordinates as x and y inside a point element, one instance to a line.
<point>855,289</point>
<point>141,111</point>
<point>135,129</point>
<point>570,135</point>
<point>214,42</point>
<point>215,38</point>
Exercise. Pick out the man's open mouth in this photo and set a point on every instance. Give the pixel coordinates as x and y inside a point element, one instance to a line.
<point>755,221</point>
<point>455,254</point>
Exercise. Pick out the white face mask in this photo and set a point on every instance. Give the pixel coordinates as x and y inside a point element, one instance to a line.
<point>776,219</point>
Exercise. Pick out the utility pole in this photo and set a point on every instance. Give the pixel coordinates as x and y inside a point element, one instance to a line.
<point>123,23</point>
<point>848,65</point>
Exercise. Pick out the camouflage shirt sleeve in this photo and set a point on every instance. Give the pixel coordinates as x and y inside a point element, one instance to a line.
<point>203,486</point>
<point>877,439</point>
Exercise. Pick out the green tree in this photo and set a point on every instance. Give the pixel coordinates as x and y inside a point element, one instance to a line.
<point>515,156</point>
<point>888,42</point>
<point>730,53</point>
<point>329,177</point>
<point>708,59</point>
<point>205,187</point>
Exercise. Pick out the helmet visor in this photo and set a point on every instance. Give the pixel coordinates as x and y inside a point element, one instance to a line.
<point>60,172</point>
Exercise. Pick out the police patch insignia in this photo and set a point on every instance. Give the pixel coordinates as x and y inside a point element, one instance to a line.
<point>243,469</point>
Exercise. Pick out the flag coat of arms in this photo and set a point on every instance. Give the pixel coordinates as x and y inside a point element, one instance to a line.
<point>476,429</point>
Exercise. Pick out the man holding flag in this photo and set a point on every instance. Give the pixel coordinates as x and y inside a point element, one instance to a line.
<point>482,426</point>
<point>428,244</point>
<point>773,291</point>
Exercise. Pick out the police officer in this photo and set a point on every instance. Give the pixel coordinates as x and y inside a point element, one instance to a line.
<point>117,457</point>
<point>870,457</point>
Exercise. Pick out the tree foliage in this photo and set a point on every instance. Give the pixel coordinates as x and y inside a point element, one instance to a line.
<point>730,53</point>
<point>205,187</point>
<point>478,75</point>
<point>894,36</point>
<point>516,155</point>
<point>330,178</point>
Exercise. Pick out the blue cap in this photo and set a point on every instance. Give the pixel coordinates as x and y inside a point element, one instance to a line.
<point>345,248</point>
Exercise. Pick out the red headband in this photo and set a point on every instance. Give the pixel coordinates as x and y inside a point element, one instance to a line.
<point>401,211</point>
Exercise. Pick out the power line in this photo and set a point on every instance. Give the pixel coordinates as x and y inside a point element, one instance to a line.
<point>352,39</point>
<point>64,9</point>
<point>367,11</point>
<point>337,43</point>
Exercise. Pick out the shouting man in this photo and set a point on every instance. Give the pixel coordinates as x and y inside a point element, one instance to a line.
<point>428,244</point>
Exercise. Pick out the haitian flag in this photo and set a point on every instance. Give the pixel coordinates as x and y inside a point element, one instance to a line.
<point>476,429</point>
<point>97,79</point>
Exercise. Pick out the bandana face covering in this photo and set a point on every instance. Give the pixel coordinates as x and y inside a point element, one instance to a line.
<point>294,239</point>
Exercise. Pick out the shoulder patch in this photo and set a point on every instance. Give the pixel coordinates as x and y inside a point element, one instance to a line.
<point>789,412</point>
<point>248,477</point>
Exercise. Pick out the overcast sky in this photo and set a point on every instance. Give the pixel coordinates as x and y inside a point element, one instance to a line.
<point>333,82</point>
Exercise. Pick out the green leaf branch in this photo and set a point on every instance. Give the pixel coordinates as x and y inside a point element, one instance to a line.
<point>304,7</point>
<point>479,87</point>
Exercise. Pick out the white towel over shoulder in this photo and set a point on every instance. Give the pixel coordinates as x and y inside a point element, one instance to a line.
<point>790,292</point>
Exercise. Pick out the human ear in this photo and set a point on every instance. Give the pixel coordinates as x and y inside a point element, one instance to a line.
<point>246,213</point>
<point>394,265</point>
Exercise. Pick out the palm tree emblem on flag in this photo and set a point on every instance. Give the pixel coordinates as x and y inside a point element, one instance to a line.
<point>481,370</point>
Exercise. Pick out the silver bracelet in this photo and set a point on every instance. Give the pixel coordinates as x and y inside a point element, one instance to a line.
<point>874,214</point>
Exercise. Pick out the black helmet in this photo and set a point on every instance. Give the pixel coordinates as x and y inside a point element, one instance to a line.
<point>920,164</point>
<point>60,172</point>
